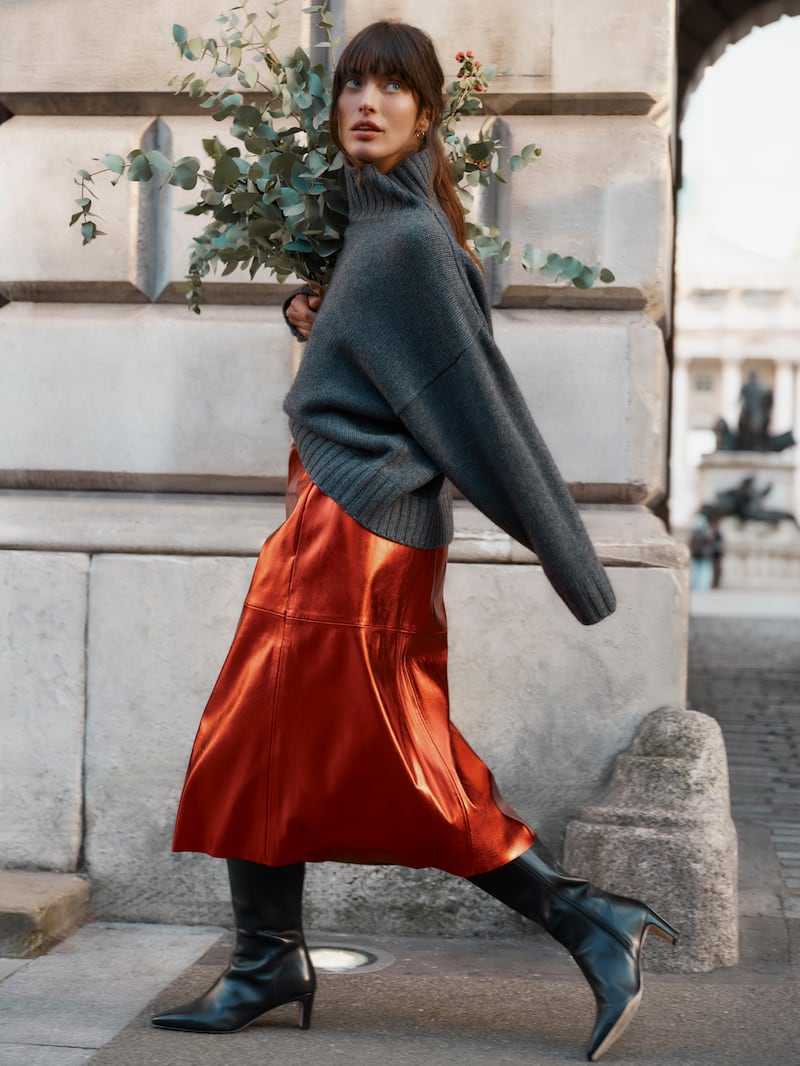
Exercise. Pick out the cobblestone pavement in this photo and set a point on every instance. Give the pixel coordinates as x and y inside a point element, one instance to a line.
<point>746,674</point>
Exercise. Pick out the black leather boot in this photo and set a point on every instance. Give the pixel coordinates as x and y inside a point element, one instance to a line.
<point>270,965</point>
<point>603,933</point>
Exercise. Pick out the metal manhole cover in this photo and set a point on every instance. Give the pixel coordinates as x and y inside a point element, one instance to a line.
<point>340,958</point>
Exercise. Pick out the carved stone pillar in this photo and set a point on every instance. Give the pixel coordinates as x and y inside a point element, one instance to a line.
<point>783,405</point>
<point>731,387</point>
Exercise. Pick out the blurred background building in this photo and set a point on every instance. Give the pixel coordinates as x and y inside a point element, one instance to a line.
<point>737,297</point>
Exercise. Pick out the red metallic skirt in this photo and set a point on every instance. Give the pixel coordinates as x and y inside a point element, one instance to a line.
<point>328,734</point>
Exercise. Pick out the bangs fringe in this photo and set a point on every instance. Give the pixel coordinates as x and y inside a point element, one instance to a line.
<point>385,48</point>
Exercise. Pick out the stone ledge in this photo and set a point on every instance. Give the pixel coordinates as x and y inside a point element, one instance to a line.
<point>38,909</point>
<point>138,523</point>
<point>522,98</point>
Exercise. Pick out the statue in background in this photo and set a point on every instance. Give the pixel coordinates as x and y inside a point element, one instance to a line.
<point>752,434</point>
<point>745,501</point>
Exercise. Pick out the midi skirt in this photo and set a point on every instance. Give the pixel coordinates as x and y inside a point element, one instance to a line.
<point>327,735</point>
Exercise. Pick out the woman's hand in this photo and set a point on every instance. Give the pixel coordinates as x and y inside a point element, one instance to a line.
<point>302,312</point>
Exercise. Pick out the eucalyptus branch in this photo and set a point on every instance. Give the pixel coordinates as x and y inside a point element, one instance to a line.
<point>276,200</point>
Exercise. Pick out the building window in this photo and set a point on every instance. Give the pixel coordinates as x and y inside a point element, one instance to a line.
<point>761,297</point>
<point>709,297</point>
<point>703,382</point>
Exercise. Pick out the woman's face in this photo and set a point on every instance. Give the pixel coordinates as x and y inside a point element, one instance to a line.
<point>379,120</point>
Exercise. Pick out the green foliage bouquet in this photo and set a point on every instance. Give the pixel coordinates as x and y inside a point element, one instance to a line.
<point>276,199</point>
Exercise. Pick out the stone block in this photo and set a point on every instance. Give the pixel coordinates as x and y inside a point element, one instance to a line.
<point>143,397</point>
<point>663,832</point>
<point>41,257</point>
<point>145,59</point>
<point>205,412</point>
<point>601,191</point>
<point>550,49</point>
<point>456,26</point>
<point>597,387</point>
<point>550,703</point>
<point>39,909</point>
<point>159,629</point>
<point>548,723</point>
<point>637,57</point>
<point>42,681</point>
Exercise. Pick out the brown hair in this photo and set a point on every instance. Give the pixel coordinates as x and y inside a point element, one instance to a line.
<point>389,47</point>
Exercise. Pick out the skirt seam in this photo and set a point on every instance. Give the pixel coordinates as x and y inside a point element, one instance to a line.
<point>291,616</point>
<point>276,689</point>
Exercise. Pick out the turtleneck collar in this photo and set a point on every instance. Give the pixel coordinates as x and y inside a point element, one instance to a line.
<point>373,194</point>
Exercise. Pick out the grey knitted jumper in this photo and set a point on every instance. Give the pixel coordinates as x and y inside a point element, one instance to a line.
<point>402,387</point>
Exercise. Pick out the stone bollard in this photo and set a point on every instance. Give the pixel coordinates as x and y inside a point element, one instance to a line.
<point>663,833</point>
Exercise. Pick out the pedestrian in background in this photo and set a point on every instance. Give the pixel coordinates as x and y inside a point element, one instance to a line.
<point>701,567</point>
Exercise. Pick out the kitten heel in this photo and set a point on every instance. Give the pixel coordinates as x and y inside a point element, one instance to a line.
<point>305,1005</point>
<point>654,923</point>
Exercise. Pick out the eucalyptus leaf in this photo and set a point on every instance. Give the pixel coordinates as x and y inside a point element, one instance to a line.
<point>114,163</point>
<point>243,201</point>
<point>185,173</point>
<point>571,267</point>
<point>194,48</point>
<point>226,173</point>
<point>159,161</point>
<point>533,258</point>
<point>140,169</point>
<point>247,116</point>
<point>585,279</point>
<point>249,76</point>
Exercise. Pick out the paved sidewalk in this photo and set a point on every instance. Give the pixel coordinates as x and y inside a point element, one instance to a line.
<point>746,673</point>
<point>744,603</point>
<point>475,1002</point>
<point>441,1003</point>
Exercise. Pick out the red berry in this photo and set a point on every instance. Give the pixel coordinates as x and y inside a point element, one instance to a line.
<point>460,57</point>
<point>469,55</point>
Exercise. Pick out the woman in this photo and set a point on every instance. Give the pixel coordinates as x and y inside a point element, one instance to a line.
<point>327,736</point>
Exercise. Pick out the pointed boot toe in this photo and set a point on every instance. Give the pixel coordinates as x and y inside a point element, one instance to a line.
<point>611,1022</point>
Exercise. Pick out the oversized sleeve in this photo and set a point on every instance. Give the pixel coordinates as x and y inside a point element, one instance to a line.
<point>474,423</point>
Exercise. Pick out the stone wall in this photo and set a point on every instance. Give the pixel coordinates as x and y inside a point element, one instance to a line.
<point>142,450</point>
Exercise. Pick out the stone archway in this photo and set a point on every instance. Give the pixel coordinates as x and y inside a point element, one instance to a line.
<point>705,30</point>
<point>707,27</point>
